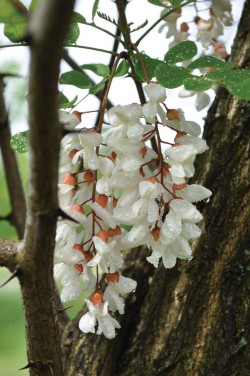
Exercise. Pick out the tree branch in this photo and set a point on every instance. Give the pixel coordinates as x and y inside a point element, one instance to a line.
<point>8,251</point>
<point>48,29</point>
<point>14,183</point>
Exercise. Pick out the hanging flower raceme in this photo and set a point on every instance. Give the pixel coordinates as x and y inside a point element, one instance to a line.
<point>117,194</point>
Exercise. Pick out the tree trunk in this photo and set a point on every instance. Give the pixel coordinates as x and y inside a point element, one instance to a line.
<point>193,319</point>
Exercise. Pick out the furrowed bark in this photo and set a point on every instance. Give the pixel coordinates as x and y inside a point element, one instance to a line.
<point>14,183</point>
<point>48,29</point>
<point>193,319</point>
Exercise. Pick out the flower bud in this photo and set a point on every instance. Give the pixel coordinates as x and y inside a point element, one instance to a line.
<point>113,277</point>
<point>96,298</point>
<point>69,179</point>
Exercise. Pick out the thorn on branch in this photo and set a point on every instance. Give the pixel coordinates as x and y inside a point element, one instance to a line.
<point>40,365</point>
<point>7,217</point>
<point>61,310</point>
<point>64,215</point>
<point>13,275</point>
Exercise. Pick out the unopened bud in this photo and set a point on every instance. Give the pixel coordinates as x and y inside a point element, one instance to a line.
<point>156,233</point>
<point>184,27</point>
<point>78,247</point>
<point>114,232</point>
<point>79,267</point>
<point>78,209</point>
<point>96,298</point>
<point>72,153</point>
<point>172,114</point>
<point>177,187</point>
<point>78,115</point>
<point>88,176</point>
<point>103,235</point>
<point>102,200</point>
<point>69,179</point>
<point>113,277</point>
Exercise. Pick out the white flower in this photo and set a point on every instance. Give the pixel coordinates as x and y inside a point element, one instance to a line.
<point>128,114</point>
<point>69,120</point>
<point>107,255</point>
<point>89,141</point>
<point>119,286</point>
<point>98,314</point>
<point>185,210</point>
<point>183,125</point>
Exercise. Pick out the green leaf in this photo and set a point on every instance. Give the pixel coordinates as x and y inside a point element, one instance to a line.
<point>237,81</point>
<point>198,83</point>
<point>96,88</point>
<point>157,2</point>
<point>73,34</point>
<point>150,65</point>
<point>176,3</point>
<point>106,17</point>
<point>241,89</point>
<point>138,27</point>
<point>171,76</point>
<point>122,69</point>
<point>209,61</point>
<point>65,103</point>
<point>101,70</point>
<point>19,142</point>
<point>94,9</point>
<point>181,52</point>
<point>12,11</point>
<point>75,78</point>
<point>77,17</point>
<point>226,77</point>
<point>15,32</point>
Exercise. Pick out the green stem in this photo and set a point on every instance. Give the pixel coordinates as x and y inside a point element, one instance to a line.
<point>105,31</point>
<point>92,48</point>
<point>14,45</point>
<point>159,20</point>
<point>105,97</point>
<point>67,45</point>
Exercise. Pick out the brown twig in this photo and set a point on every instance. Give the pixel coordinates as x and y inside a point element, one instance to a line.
<point>11,169</point>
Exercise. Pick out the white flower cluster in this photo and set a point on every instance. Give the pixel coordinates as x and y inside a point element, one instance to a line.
<point>120,194</point>
<point>208,30</point>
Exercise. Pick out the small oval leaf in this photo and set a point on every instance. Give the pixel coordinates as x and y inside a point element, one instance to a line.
<point>73,34</point>
<point>181,52</point>
<point>210,61</point>
<point>75,78</point>
<point>96,88</point>
<point>101,70</point>
<point>198,83</point>
<point>171,76</point>
<point>122,69</point>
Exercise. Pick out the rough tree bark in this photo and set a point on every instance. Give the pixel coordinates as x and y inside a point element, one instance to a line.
<point>193,319</point>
